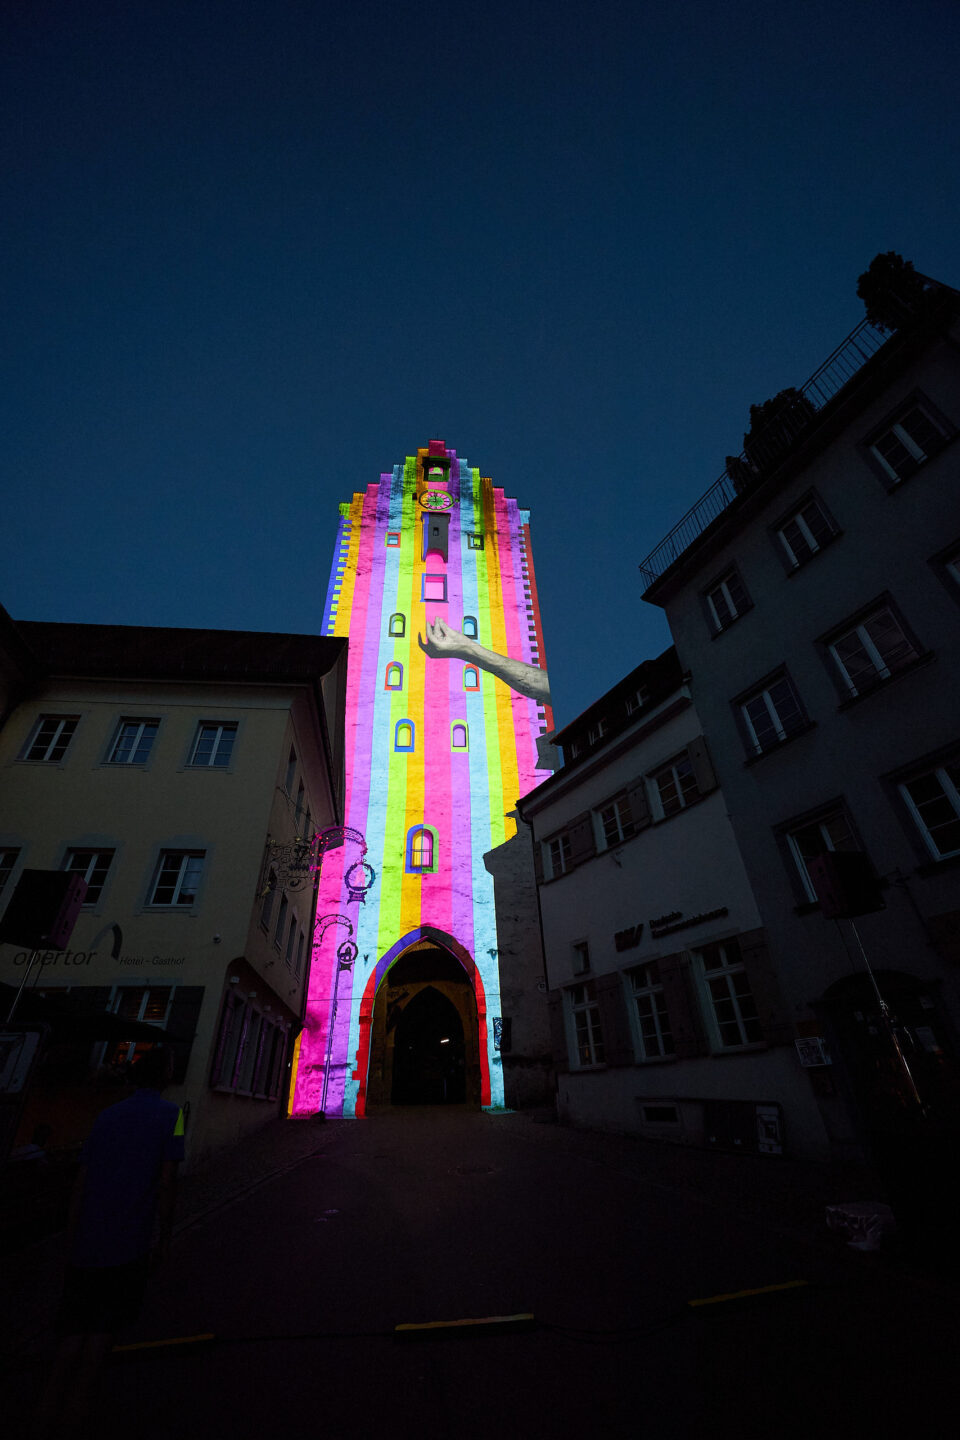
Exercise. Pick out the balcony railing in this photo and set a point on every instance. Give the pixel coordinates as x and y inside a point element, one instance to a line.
<point>768,446</point>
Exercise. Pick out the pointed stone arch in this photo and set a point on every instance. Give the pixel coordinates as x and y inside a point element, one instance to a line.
<point>477,1021</point>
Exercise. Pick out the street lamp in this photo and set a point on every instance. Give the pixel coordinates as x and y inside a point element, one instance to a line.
<point>346,955</point>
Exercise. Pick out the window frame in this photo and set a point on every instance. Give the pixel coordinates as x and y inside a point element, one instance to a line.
<point>175,905</point>
<point>625,828</point>
<point>60,721</point>
<point>222,729</point>
<point>728,969</point>
<point>456,725</point>
<point>471,670</point>
<point>564,851</point>
<point>397,668</point>
<point>474,539</point>
<point>426,580</point>
<point>950,791</point>
<point>589,1007</point>
<point>653,990</point>
<point>795,516</point>
<point>7,870</point>
<point>470,620</point>
<point>412,867</point>
<point>130,721</point>
<point>718,625</point>
<point>404,749</point>
<point>892,425</point>
<point>391,539</point>
<point>397,625</point>
<point>797,865</point>
<point>755,750</point>
<point>90,902</point>
<point>656,795</point>
<point>580,963</point>
<point>846,686</point>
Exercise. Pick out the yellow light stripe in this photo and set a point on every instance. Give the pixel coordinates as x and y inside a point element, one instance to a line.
<point>525,1318</point>
<point>743,1294</point>
<point>158,1344</point>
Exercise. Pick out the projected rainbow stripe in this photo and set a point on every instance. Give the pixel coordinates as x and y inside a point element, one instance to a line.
<point>462,794</point>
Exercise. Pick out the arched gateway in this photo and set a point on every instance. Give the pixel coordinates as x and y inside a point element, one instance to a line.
<point>433,584</point>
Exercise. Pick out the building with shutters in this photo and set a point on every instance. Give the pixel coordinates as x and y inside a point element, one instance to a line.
<point>814,595</point>
<point>404,1002</point>
<point>174,770</point>
<point>666,1015</point>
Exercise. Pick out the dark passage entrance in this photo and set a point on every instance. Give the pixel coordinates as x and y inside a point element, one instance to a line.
<point>428,1061</point>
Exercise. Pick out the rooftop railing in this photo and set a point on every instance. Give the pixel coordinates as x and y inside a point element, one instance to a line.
<point>768,446</point>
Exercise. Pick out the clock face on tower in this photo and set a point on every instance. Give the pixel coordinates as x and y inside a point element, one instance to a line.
<point>436,500</point>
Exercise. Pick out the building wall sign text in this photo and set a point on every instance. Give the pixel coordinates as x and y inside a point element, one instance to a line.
<point>668,924</point>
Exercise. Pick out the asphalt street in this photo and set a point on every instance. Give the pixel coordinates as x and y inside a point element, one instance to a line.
<point>431,1215</point>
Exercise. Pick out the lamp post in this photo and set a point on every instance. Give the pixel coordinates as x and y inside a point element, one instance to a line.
<point>346,955</point>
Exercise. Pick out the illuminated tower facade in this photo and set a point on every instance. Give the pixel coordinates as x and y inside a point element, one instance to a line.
<point>433,584</point>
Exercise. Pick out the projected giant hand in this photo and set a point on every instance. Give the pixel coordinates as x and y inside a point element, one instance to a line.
<point>445,643</point>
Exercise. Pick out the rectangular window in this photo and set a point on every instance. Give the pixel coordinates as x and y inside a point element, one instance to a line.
<point>581,957</point>
<point>805,533</point>
<point>8,859</point>
<point>474,540</point>
<point>392,539</point>
<point>832,831</point>
<point>266,905</point>
<point>934,802</point>
<point>213,745</point>
<point>49,739</point>
<point>133,742</point>
<point>734,1010</point>
<point>586,1021</point>
<point>558,855</point>
<point>298,970</point>
<point>771,715</point>
<point>872,650</point>
<point>676,785</point>
<point>291,941</point>
<point>908,443</point>
<point>291,771</point>
<point>139,1004</point>
<point>177,877</point>
<point>637,701</point>
<point>727,600</point>
<point>653,1020</point>
<point>281,924</point>
<point>616,821</point>
<point>434,587</point>
<point>93,866</point>
<point>597,730</point>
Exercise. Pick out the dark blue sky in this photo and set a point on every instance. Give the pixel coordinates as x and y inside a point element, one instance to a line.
<point>257,251</point>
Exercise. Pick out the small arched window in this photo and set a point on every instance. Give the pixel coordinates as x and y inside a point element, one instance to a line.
<point>471,677</point>
<point>470,626</point>
<point>398,625</point>
<point>403,735</point>
<point>394,676</point>
<point>421,850</point>
<point>458,736</point>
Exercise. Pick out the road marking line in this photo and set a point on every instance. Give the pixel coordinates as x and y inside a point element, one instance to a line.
<point>742,1294</point>
<point>155,1344</point>
<point>487,1323</point>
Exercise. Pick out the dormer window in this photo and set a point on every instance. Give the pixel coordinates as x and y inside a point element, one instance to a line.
<point>597,730</point>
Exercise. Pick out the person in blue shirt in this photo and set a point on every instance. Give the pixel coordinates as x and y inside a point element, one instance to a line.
<point>119,1229</point>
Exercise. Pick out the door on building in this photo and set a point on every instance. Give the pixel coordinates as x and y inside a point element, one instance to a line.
<point>906,1095</point>
<point>424,1035</point>
<point>428,1052</point>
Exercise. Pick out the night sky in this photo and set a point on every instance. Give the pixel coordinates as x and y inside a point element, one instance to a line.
<point>257,251</point>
